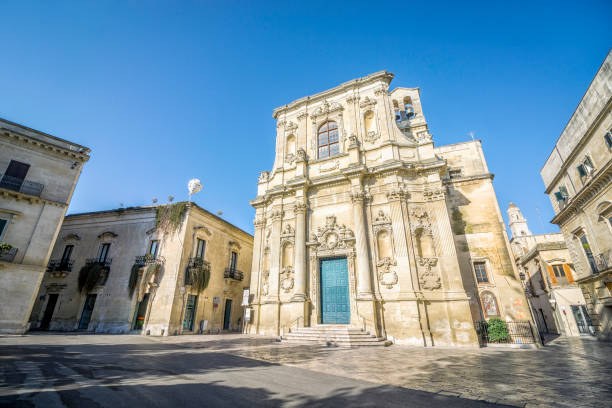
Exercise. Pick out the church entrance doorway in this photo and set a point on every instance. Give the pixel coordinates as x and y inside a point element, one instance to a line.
<point>335,308</point>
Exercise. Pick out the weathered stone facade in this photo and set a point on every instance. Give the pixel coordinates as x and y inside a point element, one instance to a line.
<point>578,180</point>
<point>357,177</point>
<point>156,300</point>
<point>38,175</point>
<point>546,268</point>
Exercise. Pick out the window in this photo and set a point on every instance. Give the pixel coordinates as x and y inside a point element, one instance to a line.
<point>586,168</point>
<point>153,246</point>
<point>559,272</point>
<point>200,248</point>
<point>233,261</point>
<point>67,253</point>
<point>104,252</point>
<point>562,194</point>
<point>588,253</point>
<point>481,272</point>
<point>14,175</point>
<point>608,139</point>
<point>3,227</point>
<point>328,140</point>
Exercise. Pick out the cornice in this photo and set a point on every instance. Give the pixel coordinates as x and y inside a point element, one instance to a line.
<point>380,75</point>
<point>6,193</point>
<point>47,147</point>
<point>464,180</point>
<point>600,180</point>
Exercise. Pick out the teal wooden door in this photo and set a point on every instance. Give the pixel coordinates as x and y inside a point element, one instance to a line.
<point>335,307</point>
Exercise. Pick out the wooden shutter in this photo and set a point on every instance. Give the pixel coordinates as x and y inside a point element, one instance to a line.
<point>551,273</point>
<point>568,273</point>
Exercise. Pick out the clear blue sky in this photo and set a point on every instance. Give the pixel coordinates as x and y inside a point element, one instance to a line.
<point>166,91</point>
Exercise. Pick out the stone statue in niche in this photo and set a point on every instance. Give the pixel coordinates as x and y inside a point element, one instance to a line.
<point>265,286</point>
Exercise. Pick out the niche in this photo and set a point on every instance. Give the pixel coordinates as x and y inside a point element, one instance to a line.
<point>408,107</point>
<point>290,144</point>
<point>287,255</point>
<point>369,122</point>
<point>383,241</point>
<point>425,246</point>
<point>266,260</point>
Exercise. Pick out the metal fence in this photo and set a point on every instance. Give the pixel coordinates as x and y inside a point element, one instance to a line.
<point>518,333</point>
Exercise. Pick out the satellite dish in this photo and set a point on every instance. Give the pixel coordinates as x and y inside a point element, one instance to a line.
<point>194,186</point>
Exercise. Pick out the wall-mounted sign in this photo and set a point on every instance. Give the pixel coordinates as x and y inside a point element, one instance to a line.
<point>216,301</point>
<point>245,297</point>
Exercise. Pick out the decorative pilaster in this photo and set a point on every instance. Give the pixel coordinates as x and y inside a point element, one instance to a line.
<point>300,252</point>
<point>364,287</point>
<point>275,250</point>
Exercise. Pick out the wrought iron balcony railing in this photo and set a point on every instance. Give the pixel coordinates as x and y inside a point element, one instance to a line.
<point>21,185</point>
<point>603,262</point>
<point>149,259</point>
<point>233,274</point>
<point>197,262</point>
<point>8,255</point>
<point>106,263</point>
<point>60,265</point>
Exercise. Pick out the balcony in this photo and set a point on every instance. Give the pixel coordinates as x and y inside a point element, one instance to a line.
<point>21,185</point>
<point>233,274</point>
<point>105,264</point>
<point>602,262</point>
<point>149,259</point>
<point>8,255</point>
<point>197,274</point>
<point>59,268</point>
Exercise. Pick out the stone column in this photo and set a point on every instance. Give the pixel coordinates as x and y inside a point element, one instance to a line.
<point>300,252</point>
<point>364,287</point>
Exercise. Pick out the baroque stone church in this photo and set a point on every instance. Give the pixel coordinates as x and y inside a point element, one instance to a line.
<point>363,222</point>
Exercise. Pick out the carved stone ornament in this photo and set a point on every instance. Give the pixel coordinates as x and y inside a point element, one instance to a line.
<point>72,237</point>
<point>302,115</point>
<point>276,215</point>
<point>386,275</point>
<point>428,278</point>
<point>264,176</point>
<point>290,126</point>
<point>323,168</point>
<point>360,196</point>
<point>381,91</point>
<point>325,109</point>
<point>381,222</point>
<point>287,234</point>
<point>332,236</point>
<point>290,158</point>
<point>353,141</point>
<point>287,279</point>
<point>352,99</point>
<point>300,208</point>
<point>423,137</point>
<point>300,155</point>
<point>421,219</point>
<point>280,123</point>
<point>397,194</point>
<point>259,222</point>
<point>265,286</point>
<point>434,195</point>
<point>367,102</point>
<point>371,136</point>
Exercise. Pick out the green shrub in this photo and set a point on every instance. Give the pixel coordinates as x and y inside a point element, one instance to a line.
<point>497,330</point>
<point>169,217</point>
<point>198,277</point>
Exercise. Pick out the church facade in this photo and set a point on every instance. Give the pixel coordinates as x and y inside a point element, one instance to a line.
<point>363,222</point>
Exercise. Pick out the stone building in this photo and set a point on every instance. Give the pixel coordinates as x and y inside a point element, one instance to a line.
<point>38,174</point>
<point>546,269</point>
<point>144,269</point>
<point>578,180</point>
<point>362,222</point>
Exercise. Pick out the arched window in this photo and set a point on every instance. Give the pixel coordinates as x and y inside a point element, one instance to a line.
<point>328,140</point>
<point>408,107</point>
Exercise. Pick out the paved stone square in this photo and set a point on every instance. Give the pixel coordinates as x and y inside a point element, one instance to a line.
<point>70,370</point>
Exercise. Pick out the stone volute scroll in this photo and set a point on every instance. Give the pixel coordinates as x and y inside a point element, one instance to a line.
<point>429,278</point>
<point>386,263</point>
<point>332,237</point>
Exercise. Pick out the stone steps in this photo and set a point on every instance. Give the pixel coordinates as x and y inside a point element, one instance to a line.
<point>333,335</point>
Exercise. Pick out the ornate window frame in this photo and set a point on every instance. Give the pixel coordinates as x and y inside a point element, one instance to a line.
<point>327,111</point>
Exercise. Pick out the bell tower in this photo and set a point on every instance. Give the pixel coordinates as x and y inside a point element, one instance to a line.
<point>516,222</point>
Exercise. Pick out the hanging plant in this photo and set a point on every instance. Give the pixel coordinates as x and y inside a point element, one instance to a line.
<point>168,218</point>
<point>133,278</point>
<point>198,277</point>
<point>89,275</point>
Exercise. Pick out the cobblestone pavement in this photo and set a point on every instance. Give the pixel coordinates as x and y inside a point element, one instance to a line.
<point>104,370</point>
